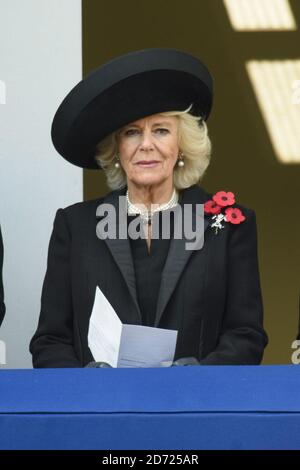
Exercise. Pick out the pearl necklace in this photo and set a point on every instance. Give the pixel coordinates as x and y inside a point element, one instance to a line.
<point>146,215</point>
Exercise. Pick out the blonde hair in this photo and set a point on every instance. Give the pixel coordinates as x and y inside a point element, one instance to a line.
<point>193,142</point>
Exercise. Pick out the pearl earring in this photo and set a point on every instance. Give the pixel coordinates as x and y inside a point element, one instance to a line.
<point>117,164</point>
<point>180,161</point>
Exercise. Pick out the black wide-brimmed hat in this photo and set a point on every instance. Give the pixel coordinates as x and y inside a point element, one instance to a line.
<point>128,88</point>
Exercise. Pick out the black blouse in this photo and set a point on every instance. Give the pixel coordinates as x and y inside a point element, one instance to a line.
<point>148,268</point>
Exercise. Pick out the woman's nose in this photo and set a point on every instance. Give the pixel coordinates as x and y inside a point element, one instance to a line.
<point>147,140</point>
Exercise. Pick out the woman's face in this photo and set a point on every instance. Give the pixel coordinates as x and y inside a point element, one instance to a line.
<point>148,149</point>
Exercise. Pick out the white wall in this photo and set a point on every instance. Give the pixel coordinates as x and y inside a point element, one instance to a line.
<point>40,61</point>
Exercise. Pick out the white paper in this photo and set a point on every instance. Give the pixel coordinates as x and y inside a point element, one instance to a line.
<point>127,345</point>
<point>105,331</point>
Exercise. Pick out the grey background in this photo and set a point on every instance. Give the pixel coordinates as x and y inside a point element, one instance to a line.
<point>40,60</point>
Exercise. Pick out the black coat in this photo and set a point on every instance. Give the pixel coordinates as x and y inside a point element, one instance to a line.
<point>2,306</point>
<point>211,296</point>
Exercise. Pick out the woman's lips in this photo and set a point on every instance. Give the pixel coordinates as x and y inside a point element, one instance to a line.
<point>148,164</point>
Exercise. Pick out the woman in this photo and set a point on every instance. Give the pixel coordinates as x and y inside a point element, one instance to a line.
<point>141,117</point>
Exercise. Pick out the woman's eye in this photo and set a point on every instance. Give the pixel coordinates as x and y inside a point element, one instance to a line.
<point>161,130</point>
<point>131,132</point>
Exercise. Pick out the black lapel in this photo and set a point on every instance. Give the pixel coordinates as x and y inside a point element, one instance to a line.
<point>178,255</point>
<point>120,248</point>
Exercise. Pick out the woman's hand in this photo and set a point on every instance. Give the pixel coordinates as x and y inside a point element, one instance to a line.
<point>97,364</point>
<point>186,361</point>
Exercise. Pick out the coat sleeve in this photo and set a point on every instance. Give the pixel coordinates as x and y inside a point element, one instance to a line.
<point>242,338</point>
<point>52,344</point>
<point>2,305</point>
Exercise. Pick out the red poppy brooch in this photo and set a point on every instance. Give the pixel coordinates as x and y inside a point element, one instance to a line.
<point>222,201</point>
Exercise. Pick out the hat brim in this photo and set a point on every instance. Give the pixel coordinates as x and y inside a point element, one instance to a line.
<point>128,88</point>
